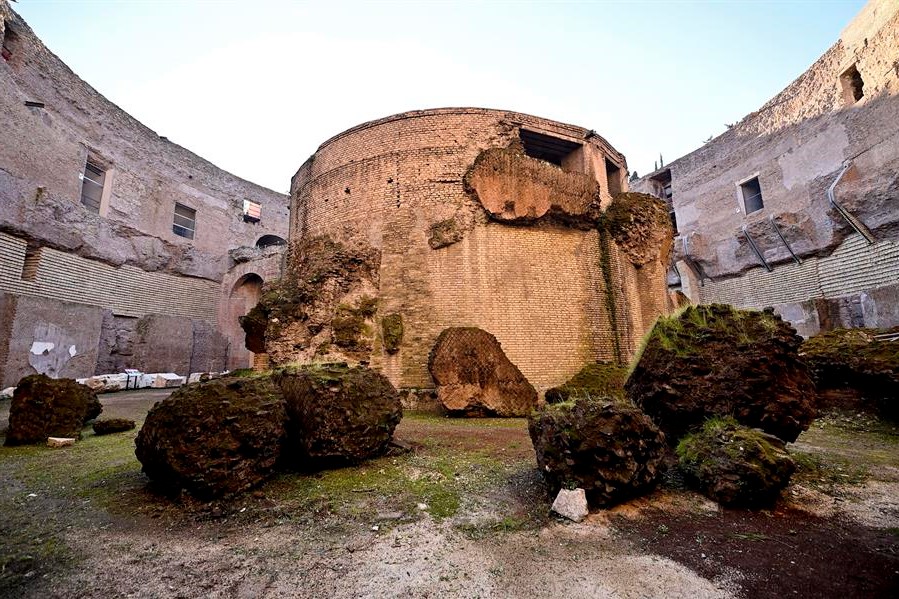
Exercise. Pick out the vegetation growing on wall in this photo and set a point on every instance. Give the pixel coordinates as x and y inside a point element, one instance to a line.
<point>392,332</point>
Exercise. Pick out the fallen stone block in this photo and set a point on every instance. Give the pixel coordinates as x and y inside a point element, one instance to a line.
<point>201,377</point>
<point>165,380</point>
<point>7,393</point>
<point>43,407</point>
<point>146,381</point>
<point>571,504</point>
<point>112,425</point>
<point>60,441</point>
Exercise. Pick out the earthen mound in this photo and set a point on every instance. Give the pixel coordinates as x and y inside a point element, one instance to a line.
<point>475,378</point>
<point>717,360</point>
<point>610,449</point>
<point>736,465</point>
<point>594,381</point>
<point>215,438</point>
<point>338,414</point>
<point>43,407</point>
<point>108,426</point>
<point>857,363</point>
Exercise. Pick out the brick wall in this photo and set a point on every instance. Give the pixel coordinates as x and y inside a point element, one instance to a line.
<point>855,266</point>
<point>125,290</point>
<point>539,288</point>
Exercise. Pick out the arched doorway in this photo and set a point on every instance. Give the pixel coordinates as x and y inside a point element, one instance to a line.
<point>270,240</point>
<point>244,296</point>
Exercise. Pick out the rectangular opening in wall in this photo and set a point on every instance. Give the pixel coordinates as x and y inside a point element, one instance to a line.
<point>92,181</point>
<point>613,177</point>
<point>853,86</point>
<point>547,148</point>
<point>185,222</point>
<point>32,262</point>
<point>252,212</point>
<point>751,192</point>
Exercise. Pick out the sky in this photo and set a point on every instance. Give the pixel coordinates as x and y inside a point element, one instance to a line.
<point>256,86</point>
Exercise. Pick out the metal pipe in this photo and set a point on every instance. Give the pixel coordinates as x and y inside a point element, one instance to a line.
<point>779,234</point>
<point>861,230</point>
<point>756,249</point>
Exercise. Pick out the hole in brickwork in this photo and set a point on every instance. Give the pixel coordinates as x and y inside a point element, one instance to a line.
<point>613,177</point>
<point>10,43</point>
<point>32,262</point>
<point>347,191</point>
<point>547,148</point>
<point>853,85</point>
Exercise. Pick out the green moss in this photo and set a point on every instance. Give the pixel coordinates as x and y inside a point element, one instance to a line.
<point>392,332</point>
<point>599,380</point>
<point>605,265</point>
<point>444,233</point>
<point>348,327</point>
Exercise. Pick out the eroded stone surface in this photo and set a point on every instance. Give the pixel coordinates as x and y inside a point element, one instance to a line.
<point>735,465</point>
<point>43,407</point>
<point>214,439</point>
<point>571,504</point>
<point>610,449</point>
<point>475,378</point>
<point>513,187</point>
<point>717,360</point>
<point>337,413</point>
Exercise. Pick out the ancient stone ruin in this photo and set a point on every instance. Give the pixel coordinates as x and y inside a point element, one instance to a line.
<point>515,225</point>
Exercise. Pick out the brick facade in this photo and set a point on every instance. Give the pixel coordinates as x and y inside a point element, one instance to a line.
<point>539,287</point>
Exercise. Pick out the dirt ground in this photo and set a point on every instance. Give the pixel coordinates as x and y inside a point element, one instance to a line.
<point>464,514</point>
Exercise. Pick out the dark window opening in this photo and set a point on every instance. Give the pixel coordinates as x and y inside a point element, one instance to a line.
<point>185,222</point>
<point>613,177</point>
<point>92,182</point>
<point>752,195</point>
<point>549,149</point>
<point>269,240</point>
<point>853,85</point>
<point>32,262</point>
<point>10,43</point>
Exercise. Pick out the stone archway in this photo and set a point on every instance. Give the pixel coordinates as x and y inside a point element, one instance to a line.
<point>244,296</point>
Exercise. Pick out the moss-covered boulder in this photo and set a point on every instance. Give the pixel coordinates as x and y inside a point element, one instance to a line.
<point>596,381</point>
<point>337,414</point>
<point>214,439</point>
<point>475,378</point>
<point>735,465</point>
<point>610,449</point>
<point>717,360</point>
<point>108,426</point>
<point>858,364</point>
<point>42,407</point>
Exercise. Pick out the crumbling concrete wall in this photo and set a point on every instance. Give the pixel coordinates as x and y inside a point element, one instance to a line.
<point>526,262</point>
<point>797,145</point>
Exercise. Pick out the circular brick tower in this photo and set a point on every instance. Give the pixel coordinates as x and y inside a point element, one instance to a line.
<point>467,217</point>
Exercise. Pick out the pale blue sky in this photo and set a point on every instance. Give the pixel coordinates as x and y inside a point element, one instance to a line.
<point>256,86</point>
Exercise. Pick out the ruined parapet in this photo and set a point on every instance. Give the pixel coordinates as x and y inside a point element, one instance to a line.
<point>480,218</point>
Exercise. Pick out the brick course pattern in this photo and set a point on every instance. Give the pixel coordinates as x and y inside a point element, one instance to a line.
<point>538,288</point>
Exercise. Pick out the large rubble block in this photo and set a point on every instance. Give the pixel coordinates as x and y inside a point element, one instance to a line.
<point>610,449</point>
<point>641,227</point>
<point>475,378</point>
<point>515,188</point>
<point>717,360</point>
<point>43,407</point>
<point>736,465</point>
<point>324,306</point>
<point>858,363</point>
<point>215,438</point>
<point>337,414</point>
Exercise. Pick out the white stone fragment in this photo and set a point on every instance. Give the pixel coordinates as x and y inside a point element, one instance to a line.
<point>60,441</point>
<point>7,393</point>
<point>571,504</point>
<point>164,380</point>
